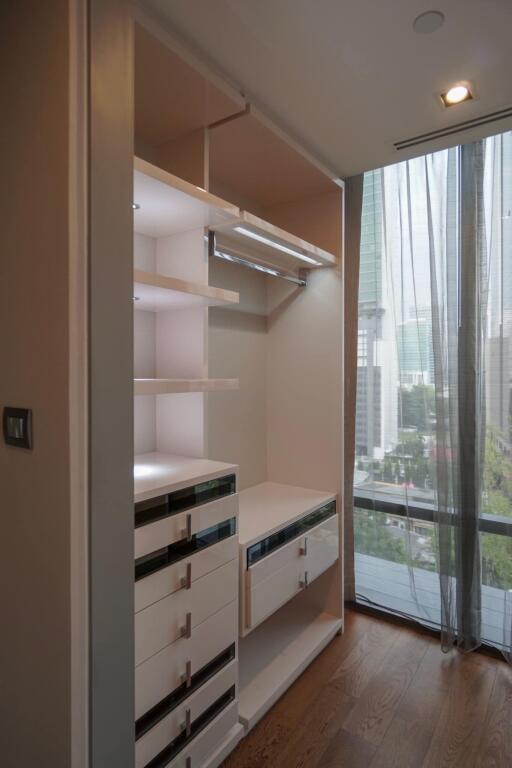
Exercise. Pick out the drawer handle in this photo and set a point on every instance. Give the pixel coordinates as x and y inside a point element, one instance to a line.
<point>187,677</point>
<point>186,581</point>
<point>186,631</point>
<point>187,531</point>
<point>304,549</point>
<point>304,583</point>
<point>187,725</point>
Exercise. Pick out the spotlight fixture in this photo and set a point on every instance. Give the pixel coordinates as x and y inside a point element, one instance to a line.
<point>135,206</point>
<point>278,246</point>
<point>456,95</point>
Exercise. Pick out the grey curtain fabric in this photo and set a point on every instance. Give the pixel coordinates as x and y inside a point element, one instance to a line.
<point>435,367</point>
<point>459,310</point>
<point>353,203</point>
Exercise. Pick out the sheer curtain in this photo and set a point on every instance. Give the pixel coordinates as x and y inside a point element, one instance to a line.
<point>434,390</point>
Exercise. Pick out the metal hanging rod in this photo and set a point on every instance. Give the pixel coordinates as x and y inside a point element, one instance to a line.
<point>238,258</point>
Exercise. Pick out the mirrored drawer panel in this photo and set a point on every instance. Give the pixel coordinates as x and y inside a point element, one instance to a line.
<point>183,525</point>
<point>186,569</point>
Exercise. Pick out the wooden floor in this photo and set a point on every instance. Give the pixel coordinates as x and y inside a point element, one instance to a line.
<point>382,696</point>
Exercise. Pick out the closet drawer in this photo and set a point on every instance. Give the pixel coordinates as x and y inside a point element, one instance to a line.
<point>276,578</point>
<point>184,716</point>
<point>202,747</point>
<point>179,614</point>
<point>183,574</point>
<point>322,547</point>
<point>288,554</point>
<point>320,541</point>
<point>164,672</point>
<point>179,526</point>
<point>273,592</point>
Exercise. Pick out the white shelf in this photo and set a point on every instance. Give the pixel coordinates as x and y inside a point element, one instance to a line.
<point>169,205</point>
<point>159,473</point>
<point>268,507</point>
<point>176,386</point>
<point>158,293</point>
<point>277,652</point>
<point>270,253</point>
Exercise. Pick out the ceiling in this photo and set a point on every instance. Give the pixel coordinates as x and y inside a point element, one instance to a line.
<point>347,78</point>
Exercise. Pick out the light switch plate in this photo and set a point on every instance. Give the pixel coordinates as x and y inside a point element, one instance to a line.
<point>17,427</point>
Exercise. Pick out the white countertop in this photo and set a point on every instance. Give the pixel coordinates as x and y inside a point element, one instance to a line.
<point>268,507</point>
<point>158,473</point>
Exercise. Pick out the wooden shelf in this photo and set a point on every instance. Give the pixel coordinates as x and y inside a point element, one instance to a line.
<point>268,507</point>
<point>159,473</point>
<point>277,652</point>
<point>175,386</point>
<point>272,252</point>
<point>169,205</point>
<point>158,293</point>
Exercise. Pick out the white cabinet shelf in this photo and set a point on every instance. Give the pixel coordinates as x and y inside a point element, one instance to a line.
<point>168,205</point>
<point>268,507</point>
<point>270,244</point>
<point>175,386</point>
<point>277,652</point>
<point>158,473</point>
<point>158,293</point>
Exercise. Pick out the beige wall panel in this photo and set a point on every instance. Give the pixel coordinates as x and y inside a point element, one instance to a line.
<point>304,367</point>
<point>237,348</point>
<point>186,157</point>
<point>317,219</point>
<point>34,334</point>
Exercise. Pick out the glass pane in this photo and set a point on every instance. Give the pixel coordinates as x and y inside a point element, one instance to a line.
<point>385,547</point>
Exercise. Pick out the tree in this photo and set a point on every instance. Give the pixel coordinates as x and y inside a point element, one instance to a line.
<point>371,537</point>
<point>416,406</point>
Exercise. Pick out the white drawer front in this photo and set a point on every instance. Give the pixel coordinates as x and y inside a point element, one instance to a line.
<point>165,671</point>
<point>164,622</point>
<point>272,563</point>
<point>149,538</point>
<point>272,593</point>
<point>157,585</point>
<point>322,547</point>
<point>315,540</point>
<point>170,727</point>
<point>268,586</point>
<point>207,742</point>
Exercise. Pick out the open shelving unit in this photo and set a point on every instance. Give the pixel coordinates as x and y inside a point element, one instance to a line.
<point>277,652</point>
<point>171,218</point>
<point>237,371</point>
<point>159,293</point>
<point>175,386</point>
<point>168,205</point>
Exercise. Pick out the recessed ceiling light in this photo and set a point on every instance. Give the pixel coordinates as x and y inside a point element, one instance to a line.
<point>135,206</point>
<point>428,22</point>
<point>456,95</point>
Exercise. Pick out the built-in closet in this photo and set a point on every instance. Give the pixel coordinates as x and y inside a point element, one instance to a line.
<point>238,410</point>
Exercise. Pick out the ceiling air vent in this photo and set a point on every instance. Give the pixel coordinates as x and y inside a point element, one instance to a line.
<point>423,138</point>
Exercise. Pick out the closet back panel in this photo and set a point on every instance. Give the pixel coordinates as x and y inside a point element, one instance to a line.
<point>237,348</point>
<point>304,368</point>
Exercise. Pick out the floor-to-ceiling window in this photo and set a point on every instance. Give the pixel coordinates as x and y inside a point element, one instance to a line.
<point>413,273</point>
